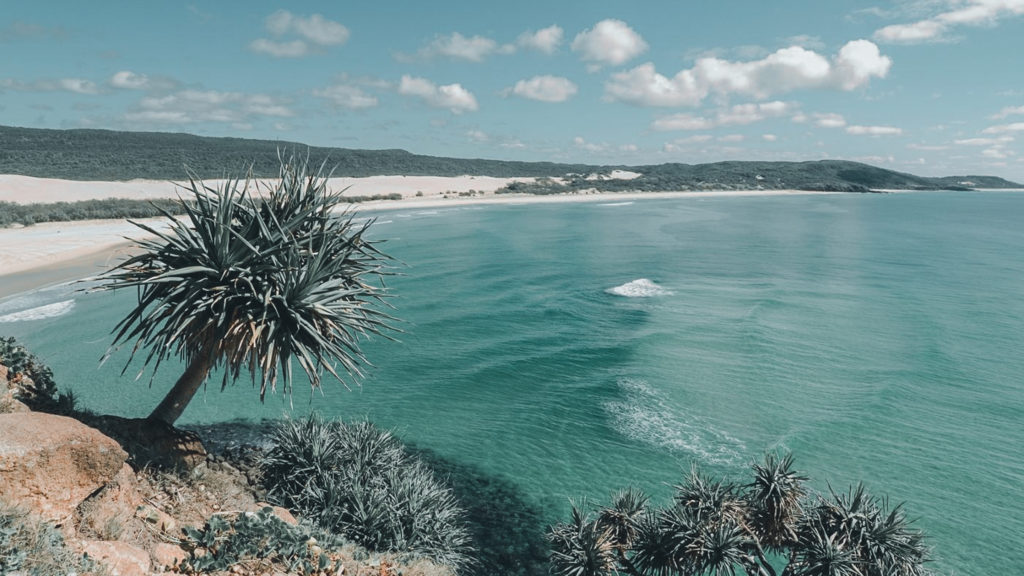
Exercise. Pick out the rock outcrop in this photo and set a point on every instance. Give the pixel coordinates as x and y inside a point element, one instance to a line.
<point>50,464</point>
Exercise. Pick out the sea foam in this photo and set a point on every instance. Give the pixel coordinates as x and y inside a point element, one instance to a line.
<point>639,288</point>
<point>647,415</point>
<point>40,312</point>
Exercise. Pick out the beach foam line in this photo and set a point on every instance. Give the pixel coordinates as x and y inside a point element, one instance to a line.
<point>40,312</point>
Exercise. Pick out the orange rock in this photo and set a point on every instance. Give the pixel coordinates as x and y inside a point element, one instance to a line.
<point>120,559</point>
<point>50,464</point>
<point>167,555</point>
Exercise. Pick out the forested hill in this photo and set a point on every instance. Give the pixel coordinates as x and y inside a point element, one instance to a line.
<point>111,155</point>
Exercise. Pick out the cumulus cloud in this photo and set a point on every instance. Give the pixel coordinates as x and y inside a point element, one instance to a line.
<point>75,85</point>
<point>307,34</point>
<point>610,42</point>
<point>769,137</point>
<point>545,40</point>
<point>874,130</point>
<point>741,114</point>
<point>785,70</point>
<point>347,96</point>
<point>936,28</point>
<point>544,89</point>
<point>452,97</point>
<point>195,106</point>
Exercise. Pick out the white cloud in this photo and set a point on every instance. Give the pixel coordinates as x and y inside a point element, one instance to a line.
<point>732,138</point>
<point>785,70</point>
<point>1008,111</point>
<point>984,141</point>
<point>346,96</point>
<point>129,80</point>
<point>997,153</point>
<point>858,61</point>
<point>452,97</point>
<point>970,13</point>
<point>582,144</point>
<point>474,48</point>
<point>545,40</point>
<point>477,136</point>
<point>874,130</point>
<point>315,29</point>
<point>313,34</point>
<point>738,115</point>
<point>545,89</point>
<point>609,42</point>
<point>629,148</point>
<point>769,137</point>
<point>1004,128</point>
<point>76,85</point>
<point>829,120</point>
<point>194,106</point>
<point>290,49</point>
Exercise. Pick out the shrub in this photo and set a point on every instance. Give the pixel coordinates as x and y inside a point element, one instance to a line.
<point>224,543</point>
<point>359,482</point>
<point>35,548</point>
<point>32,379</point>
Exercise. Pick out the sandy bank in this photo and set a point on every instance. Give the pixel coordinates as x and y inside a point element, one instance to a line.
<point>52,253</point>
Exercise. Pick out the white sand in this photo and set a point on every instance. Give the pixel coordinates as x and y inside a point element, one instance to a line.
<point>60,247</point>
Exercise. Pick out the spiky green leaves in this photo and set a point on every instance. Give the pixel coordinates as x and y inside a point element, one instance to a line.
<point>719,528</point>
<point>256,280</point>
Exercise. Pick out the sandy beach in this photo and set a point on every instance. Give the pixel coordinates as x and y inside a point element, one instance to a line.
<point>57,252</point>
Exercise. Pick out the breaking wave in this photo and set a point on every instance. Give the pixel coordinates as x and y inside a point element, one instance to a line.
<point>639,288</point>
<point>646,415</point>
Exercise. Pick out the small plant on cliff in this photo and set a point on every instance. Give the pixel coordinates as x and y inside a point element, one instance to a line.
<point>254,538</point>
<point>253,281</point>
<point>33,380</point>
<point>32,547</point>
<point>358,481</point>
<point>717,528</point>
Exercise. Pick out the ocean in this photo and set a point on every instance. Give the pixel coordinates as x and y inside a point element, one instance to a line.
<point>573,349</point>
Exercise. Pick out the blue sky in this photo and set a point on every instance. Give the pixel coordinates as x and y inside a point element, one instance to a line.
<point>933,87</point>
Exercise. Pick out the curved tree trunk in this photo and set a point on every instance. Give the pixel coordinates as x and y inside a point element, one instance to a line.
<point>177,399</point>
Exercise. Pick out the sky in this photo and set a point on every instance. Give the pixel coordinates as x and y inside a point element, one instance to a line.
<point>933,87</point>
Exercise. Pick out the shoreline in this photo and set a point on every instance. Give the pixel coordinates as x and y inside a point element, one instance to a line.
<point>53,253</point>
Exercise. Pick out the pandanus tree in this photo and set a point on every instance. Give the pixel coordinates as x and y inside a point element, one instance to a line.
<point>717,528</point>
<point>253,277</point>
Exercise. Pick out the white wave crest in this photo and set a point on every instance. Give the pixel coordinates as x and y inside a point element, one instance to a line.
<point>646,415</point>
<point>616,204</point>
<point>40,312</point>
<point>639,288</point>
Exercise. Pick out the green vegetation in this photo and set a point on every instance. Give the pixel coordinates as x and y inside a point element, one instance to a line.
<point>32,380</point>
<point>254,282</point>
<point>34,548</point>
<point>110,155</point>
<point>29,214</point>
<point>717,527</point>
<point>225,542</point>
<point>361,483</point>
<point>115,208</point>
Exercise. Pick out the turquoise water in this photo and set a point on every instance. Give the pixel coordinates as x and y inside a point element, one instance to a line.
<point>577,348</point>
